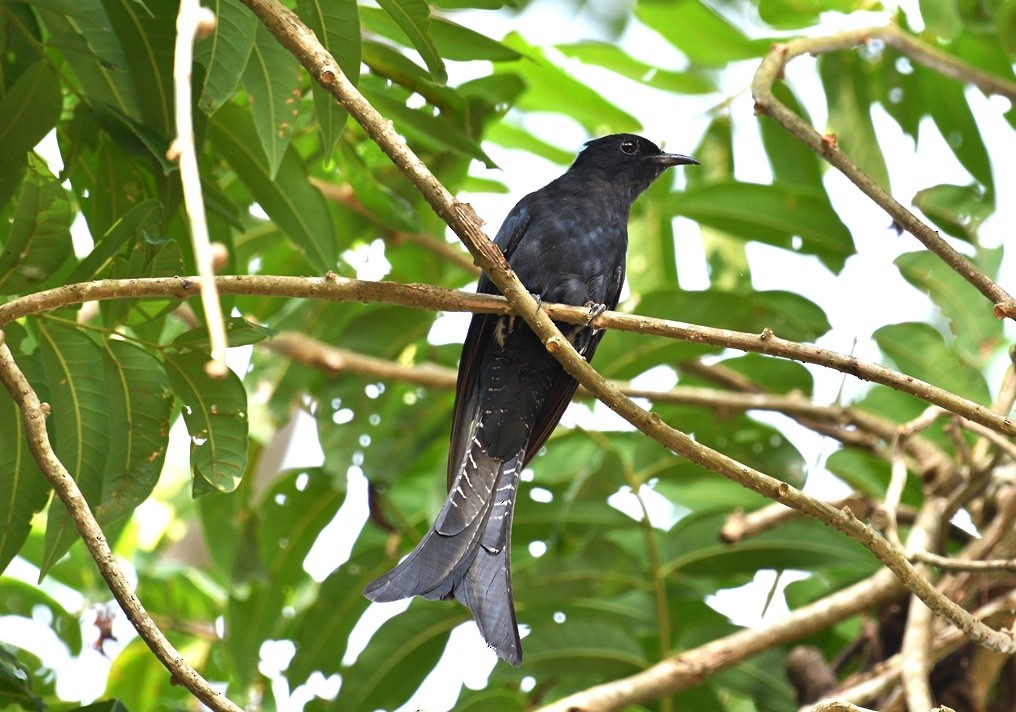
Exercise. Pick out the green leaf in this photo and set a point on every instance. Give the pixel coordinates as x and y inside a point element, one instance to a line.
<point>610,56</point>
<point>100,63</point>
<point>273,82</point>
<point>941,18</point>
<point>413,18</point>
<point>140,405</point>
<point>147,33</point>
<point>796,14</point>
<point>919,350</point>
<point>713,42</point>
<point>225,54</point>
<point>462,44</point>
<point>144,217</point>
<point>550,88</point>
<point>23,488</point>
<point>382,202</point>
<point>25,600</point>
<point>239,332</point>
<point>78,426</point>
<point>847,81</point>
<point>215,411</point>
<point>792,162</point>
<point>505,134</point>
<point>322,634</point>
<point>290,201</point>
<point>971,317</point>
<point>433,132</point>
<point>586,648</point>
<point>149,256</point>
<point>290,516</point>
<point>38,238</point>
<point>138,680</point>
<point>28,111</point>
<point>958,210</point>
<point>337,25</point>
<point>773,214</point>
<point>398,657</point>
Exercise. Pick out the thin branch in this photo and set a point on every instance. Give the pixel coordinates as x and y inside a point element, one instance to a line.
<point>772,69</point>
<point>948,563</point>
<point>424,296</point>
<point>916,645</point>
<point>689,668</point>
<point>742,525</point>
<point>35,414</point>
<point>192,20</point>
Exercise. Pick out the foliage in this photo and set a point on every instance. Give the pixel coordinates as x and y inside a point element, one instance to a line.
<point>603,594</point>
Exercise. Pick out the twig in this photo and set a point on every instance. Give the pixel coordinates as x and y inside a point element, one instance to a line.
<point>916,645</point>
<point>952,564</point>
<point>742,525</point>
<point>838,706</point>
<point>772,69</point>
<point>691,667</point>
<point>192,20</point>
<point>35,414</point>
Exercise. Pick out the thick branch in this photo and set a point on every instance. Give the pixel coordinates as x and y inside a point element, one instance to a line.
<point>772,69</point>
<point>35,413</point>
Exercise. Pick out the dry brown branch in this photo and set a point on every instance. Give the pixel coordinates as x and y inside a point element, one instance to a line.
<point>35,413</point>
<point>689,668</point>
<point>742,525</point>
<point>772,69</point>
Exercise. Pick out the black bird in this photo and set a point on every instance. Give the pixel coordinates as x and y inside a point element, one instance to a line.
<point>567,243</point>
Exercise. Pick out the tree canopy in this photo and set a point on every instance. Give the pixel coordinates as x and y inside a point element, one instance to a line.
<point>327,161</point>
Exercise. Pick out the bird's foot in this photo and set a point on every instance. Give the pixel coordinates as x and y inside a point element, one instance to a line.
<point>539,301</point>
<point>594,311</point>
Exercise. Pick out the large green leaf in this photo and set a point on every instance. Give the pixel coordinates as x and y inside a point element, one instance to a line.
<point>413,18</point>
<point>847,82</point>
<point>143,217</point>
<point>23,599</point>
<point>78,426</point>
<point>612,57</point>
<point>147,33</point>
<point>774,214</point>
<point>919,350</point>
<point>550,88</point>
<point>958,210</point>
<point>38,238</point>
<point>971,317</point>
<point>23,488</point>
<point>401,653</point>
<point>225,54</point>
<point>28,111</point>
<point>337,25</point>
<point>701,33</point>
<point>290,201</point>
<point>215,411</point>
<point>272,80</point>
<point>140,403</point>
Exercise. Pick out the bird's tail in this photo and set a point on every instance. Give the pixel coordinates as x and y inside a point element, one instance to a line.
<point>466,553</point>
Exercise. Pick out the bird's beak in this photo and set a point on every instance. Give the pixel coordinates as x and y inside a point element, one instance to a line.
<point>674,159</point>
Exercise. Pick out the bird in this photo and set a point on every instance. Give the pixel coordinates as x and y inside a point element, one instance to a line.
<point>567,242</point>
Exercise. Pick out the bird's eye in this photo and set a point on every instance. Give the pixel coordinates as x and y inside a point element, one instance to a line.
<point>630,147</point>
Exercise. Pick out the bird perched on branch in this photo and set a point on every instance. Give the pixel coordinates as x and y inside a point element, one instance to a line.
<point>566,243</point>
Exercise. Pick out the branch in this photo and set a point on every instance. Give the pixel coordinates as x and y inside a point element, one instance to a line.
<point>424,296</point>
<point>772,69</point>
<point>689,668</point>
<point>35,414</point>
<point>192,20</point>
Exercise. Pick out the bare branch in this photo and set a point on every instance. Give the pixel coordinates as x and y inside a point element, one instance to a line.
<point>691,667</point>
<point>772,69</point>
<point>35,414</point>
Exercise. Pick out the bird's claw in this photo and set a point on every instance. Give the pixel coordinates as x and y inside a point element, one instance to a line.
<point>594,311</point>
<point>539,301</point>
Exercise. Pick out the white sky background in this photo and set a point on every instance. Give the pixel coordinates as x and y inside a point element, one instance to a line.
<point>867,294</point>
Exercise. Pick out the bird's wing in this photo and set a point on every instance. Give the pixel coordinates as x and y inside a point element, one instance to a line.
<point>479,336</point>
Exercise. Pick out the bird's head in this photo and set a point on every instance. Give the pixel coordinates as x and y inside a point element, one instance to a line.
<point>627,161</point>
